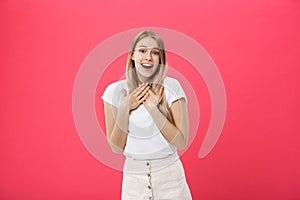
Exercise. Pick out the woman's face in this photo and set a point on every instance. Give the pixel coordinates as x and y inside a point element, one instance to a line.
<point>146,58</point>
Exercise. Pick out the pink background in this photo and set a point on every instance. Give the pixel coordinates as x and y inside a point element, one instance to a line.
<point>255,46</point>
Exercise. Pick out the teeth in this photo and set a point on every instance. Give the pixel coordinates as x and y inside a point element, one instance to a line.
<point>147,65</point>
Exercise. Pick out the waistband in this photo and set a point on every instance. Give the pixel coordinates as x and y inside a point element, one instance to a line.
<point>132,165</point>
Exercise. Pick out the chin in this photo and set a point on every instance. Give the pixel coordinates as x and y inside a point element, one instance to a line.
<point>145,74</point>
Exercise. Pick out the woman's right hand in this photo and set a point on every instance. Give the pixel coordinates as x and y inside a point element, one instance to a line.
<point>137,96</point>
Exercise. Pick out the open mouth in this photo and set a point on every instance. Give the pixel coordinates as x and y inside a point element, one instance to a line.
<point>147,66</point>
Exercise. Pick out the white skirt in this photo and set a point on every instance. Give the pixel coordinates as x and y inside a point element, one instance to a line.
<point>157,179</point>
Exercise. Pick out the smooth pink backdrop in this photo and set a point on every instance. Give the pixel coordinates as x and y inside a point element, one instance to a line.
<point>254,44</point>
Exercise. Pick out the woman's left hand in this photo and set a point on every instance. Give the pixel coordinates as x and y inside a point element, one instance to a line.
<point>153,99</point>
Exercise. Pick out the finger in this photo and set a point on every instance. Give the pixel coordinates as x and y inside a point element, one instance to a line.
<point>143,93</point>
<point>141,89</point>
<point>160,93</point>
<point>135,90</point>
<point>161,90</point>
<point>143,99</point>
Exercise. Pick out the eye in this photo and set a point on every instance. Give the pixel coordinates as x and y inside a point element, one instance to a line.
<point>156,53</point>
<point>142,50</point>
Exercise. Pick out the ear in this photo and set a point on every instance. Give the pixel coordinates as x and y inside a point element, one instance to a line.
<point>133,56</point>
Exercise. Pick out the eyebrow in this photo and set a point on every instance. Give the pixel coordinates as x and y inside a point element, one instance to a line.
<point>147,47</point>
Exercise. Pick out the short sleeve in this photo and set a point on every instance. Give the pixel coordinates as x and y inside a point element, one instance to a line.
<point>173,90</point>
<point>113,92</point>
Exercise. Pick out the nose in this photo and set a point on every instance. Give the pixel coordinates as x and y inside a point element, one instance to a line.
<point>148,55</point>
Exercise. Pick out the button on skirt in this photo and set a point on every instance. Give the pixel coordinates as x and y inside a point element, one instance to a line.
<point>159,179</point>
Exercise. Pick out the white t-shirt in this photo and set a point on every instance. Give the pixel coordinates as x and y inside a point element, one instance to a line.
<point>145,141</point>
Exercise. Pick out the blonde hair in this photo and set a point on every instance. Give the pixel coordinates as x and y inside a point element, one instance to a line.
<point>156,80</point>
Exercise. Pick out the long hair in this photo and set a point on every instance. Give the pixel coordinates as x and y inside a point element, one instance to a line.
<point>156,80</point>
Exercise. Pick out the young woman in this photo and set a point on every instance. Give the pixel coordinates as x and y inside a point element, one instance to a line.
<point>147,120</point>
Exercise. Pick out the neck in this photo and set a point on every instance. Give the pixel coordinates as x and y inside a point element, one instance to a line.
<point>142,80</point>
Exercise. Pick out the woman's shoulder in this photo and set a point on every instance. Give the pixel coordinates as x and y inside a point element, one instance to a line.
<point>171,83</point>
<point>173,90</point>
<point>113,92</point>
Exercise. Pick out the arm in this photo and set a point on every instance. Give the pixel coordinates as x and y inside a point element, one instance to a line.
<point>117,119</point>
<point>116,125</point>
<point>177,133</point>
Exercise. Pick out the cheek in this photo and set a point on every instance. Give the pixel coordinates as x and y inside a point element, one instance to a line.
<point>137,56</point>
<point>135,60</point>
<point>156,60</point>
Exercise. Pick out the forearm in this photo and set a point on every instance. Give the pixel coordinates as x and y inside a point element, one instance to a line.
<point>118,136</point>
<point>177,137</point>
